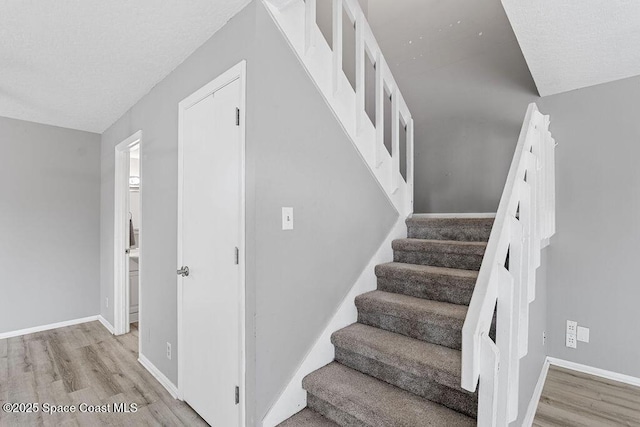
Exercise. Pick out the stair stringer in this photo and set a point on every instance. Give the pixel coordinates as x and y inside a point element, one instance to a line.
<point>293,397</point>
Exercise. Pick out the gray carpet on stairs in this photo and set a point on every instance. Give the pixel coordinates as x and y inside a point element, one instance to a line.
<point>400,364</point>
<point>432,321</point>
<point>463,229</point>
<point>427,282</point>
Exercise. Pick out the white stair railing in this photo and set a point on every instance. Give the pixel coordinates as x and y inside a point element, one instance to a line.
<point>297,21</point>
<point>524,223</point>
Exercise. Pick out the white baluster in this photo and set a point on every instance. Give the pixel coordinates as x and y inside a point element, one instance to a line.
<point>525,220</point>
<point>410,157</point>
<point>379,109</point>
<point>488,392</point>
<point>310,24</point>
<point>337,44</point>
<point>552,197</point>
<point>395,140</point>
<point>519,297</point>
<point>360,71</point>
<point>504,336</point>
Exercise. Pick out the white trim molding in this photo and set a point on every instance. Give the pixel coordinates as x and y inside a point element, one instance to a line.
<point>293,398</point>
<point>162,379</point>
<point>48,327</point>
<point>121,292</point>
<point>106,324</point>
<point>535,397</point>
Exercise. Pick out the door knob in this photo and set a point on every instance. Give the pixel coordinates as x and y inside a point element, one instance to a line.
<point>184,271</point>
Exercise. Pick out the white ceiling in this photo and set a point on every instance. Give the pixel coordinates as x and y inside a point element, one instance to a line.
<point>81,64</point>
<point>574,44</point>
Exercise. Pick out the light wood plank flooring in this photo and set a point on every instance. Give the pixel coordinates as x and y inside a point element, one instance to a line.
<point>570,398</point>
<point>84,364</point>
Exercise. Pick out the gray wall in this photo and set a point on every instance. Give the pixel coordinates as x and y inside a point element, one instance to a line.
<point>297,155</point>
<point>592,274</point>
<point>467,85</point>
<point>49,222</point>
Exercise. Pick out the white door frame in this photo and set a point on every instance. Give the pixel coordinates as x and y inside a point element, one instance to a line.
<point>235,73</point>
<point>121,285</point>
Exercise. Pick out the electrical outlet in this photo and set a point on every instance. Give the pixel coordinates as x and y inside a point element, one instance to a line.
<point>169,350</point>
<point>106,302</point>
<point>572,327</point>
<point>287,218</point>
<point>572,342</point>
<point>583,334</point>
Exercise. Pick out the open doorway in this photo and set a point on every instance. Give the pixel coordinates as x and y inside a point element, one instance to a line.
<point>127,236</point>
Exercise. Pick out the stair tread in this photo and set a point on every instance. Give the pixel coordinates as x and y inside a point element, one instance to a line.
<point>375,402</point>
<point>420,358</point>
<point>413,308</point>
<point>448,246</point>
<point>308,418</point>
<point>450,221</point>
<point>389,268</point>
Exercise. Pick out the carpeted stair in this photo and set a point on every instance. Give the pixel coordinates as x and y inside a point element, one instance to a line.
<point>400,364</point>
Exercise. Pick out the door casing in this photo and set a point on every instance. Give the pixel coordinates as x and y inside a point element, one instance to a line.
<point>121,283</point>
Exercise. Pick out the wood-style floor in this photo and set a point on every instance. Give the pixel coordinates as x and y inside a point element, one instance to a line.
<point>84,364</point>
<point>570,398</point>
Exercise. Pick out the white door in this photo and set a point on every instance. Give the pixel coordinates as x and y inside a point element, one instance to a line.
<point>211,234</point>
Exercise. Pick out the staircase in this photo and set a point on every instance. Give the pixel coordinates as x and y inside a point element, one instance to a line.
<point>400,364</point>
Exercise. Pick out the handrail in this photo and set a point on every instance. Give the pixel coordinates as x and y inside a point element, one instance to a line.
<point>298,22</point>
<point>525,221</point>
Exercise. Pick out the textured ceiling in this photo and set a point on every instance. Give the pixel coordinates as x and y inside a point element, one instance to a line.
<point>573,44</point>
<point>81,64</point>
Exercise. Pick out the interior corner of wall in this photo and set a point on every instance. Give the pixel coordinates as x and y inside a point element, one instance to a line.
<point>293,399</point>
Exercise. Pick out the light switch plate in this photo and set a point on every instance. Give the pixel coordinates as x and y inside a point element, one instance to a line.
<point>583,334</point>
<point>287,218</point>
<point>572,327</point>
<point>571,341</point>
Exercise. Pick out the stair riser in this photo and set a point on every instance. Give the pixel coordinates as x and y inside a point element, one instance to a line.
<point>423,386</point>
<point>439,259</point>
<point>434,288</point>
<point>426,331</point>
<point>329,411</point>
<point>468,234</point>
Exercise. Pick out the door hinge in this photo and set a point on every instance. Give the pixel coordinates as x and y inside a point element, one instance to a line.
<point>237,116</point>
<point>237,395</point>
<point>237,256</point>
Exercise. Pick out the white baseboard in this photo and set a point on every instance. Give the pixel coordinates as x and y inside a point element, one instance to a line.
<point>106,324</point>
<point>455,215</point>
<point>166,383</point>
<point>293,398</point>
<point>133,313</point>
<point>535,397</point>
<point>48,327</point>
<point>614,376</point>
